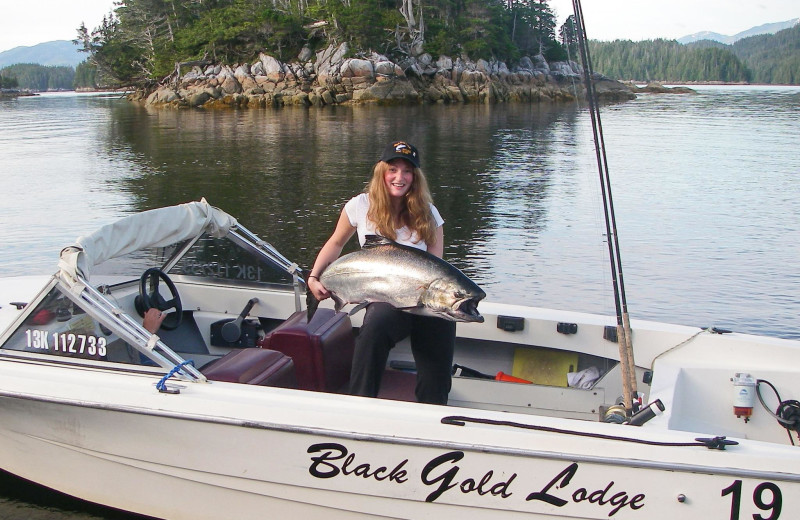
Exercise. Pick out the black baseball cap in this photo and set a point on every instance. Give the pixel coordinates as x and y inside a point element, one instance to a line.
<point>401,150</point>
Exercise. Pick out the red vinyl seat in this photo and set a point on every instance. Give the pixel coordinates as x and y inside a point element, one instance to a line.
<point>253,366</point>
<point>322,350</point>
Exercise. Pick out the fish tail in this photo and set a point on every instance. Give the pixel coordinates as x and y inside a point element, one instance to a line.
<point>311,305</point>
<point>311,301</point>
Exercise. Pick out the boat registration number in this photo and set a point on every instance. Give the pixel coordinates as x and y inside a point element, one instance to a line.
<point>68,343</point>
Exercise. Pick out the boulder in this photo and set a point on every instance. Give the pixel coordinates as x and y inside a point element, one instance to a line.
<point>444,63</point>
<point>305,54</point>
<point>162,96</point>
<point>357,68</point>
<point>269,64</point>
<point>539,63</point>
<point>388,68</point>
<point>395,92</point>
<point>329,77</point>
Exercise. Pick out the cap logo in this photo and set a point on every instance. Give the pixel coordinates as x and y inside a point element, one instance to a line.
<point>401,150</point>
<point>404,149</point>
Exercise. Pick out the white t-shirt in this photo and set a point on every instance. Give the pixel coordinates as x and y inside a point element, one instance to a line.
<point>356,210</point>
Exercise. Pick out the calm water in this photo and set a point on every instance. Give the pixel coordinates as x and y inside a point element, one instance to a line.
<point>705,188</point>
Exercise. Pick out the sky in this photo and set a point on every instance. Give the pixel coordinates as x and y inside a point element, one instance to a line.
<point>672,19</point>
<point>26,23</point>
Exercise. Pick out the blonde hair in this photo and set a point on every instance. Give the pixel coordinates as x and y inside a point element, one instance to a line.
<point>415,213</point>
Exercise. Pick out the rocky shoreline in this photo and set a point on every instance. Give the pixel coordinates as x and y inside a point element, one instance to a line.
<point>655,87</point>
<point>330,77</point>
<point>7,93</point>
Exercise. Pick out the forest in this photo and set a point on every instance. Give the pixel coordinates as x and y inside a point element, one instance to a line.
<point>37,77</point>
<point>666,61</point>
<point>143,39</point>
<point>140,42</point>
<point>767,58</point>
<point>772,58</point>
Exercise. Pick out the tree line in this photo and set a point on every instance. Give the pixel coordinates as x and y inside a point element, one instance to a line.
<point>667,61</point>
<point>37,77</point>
<point>768,58</point>
<point>142,40</point>
<point>772,58</point>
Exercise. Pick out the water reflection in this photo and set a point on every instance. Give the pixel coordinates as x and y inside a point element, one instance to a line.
<point>704,186</point>
<point>286,173</point>
<point>705,190</point>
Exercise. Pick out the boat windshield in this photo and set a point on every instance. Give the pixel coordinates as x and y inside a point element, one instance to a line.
<point>227,260</point>
<point>60,327</point>
<point>132,265</point>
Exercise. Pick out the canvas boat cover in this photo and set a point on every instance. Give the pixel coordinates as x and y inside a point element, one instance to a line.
<point>155,228</point>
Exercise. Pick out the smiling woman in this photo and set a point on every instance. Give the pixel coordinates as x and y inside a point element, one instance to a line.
<point>397,205</point>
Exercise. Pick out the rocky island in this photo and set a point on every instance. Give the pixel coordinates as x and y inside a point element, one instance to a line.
<point>331,77</point>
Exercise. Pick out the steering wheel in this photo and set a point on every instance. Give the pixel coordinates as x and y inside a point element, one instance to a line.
<point>147,300</point>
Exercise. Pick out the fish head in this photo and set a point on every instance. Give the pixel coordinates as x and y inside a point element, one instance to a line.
<point>453,299</point>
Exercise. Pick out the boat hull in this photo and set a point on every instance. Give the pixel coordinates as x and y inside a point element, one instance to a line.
<point>181,456</point>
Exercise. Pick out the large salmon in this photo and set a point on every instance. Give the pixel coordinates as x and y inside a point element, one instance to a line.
<point>406,277</point>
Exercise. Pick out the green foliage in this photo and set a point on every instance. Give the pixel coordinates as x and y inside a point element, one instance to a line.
<point>568,37</point>
<point>666,61</point>
<point>237,32</point>
<point>767,58</point>
<point>37,77</point>
<point>8,81</point>
<point>557,52</point>
<point>119,55</point>
<point>142,40</point>
<point>532,26</point>
<point>773,58</point>
<point>364,24</point>
<point>85,76</point>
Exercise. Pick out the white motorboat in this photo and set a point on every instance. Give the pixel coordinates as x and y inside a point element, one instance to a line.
<point>240,409</point>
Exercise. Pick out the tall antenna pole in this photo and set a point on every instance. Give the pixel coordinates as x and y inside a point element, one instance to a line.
<point>624,339</point>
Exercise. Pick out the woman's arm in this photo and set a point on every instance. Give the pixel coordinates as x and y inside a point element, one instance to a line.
<point>329,252</point>
<point>437,247</point>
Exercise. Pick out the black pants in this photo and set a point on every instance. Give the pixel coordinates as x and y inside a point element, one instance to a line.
<point>432,344</point>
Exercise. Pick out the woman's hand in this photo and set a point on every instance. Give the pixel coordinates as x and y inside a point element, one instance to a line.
<point>317,289</point>
<point>329,252</point>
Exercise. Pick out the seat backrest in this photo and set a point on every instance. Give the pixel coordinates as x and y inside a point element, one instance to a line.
<point>322,350</point>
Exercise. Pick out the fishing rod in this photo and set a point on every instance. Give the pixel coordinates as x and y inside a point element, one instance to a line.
<point>624,339</point>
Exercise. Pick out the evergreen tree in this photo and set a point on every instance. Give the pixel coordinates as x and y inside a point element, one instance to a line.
<point>85,76</point>
<point>8,81</point>
<point>773,58</point>
<point>37,77</point>
<point>142,40</point>
<point>569,38</point>
<point>666,61</point>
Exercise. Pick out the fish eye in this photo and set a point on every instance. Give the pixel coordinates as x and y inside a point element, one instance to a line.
<point>459,294</point>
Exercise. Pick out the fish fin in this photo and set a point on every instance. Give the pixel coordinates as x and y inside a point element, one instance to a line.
<point>375,240</point>
<point>358,308</point>
<point>338,303</point>
<point>311,305</point>
<point>412,308</point>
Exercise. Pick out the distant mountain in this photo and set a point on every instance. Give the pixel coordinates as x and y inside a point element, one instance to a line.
<point>767,28</point>
<point>761,59</point>
<point>59,52</point>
